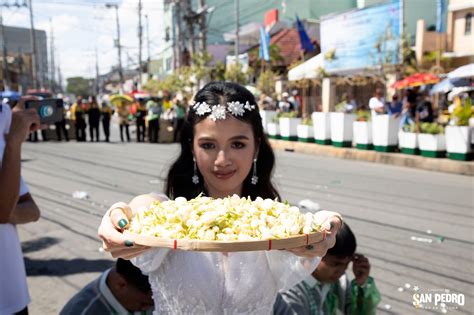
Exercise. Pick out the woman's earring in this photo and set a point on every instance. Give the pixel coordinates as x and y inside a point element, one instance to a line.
<point>254,179</point>
<point>195,177</point>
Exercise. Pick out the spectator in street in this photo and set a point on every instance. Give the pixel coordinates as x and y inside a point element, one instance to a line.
<point>285,105</point>
<point>154,113</point>
<point>140,117</point>
<point>395,107</point>
<point>93,114</point>
<point>296,100</point>
<point>328,290</point>
<point>106,113</point>
<point>122,289</point>
<point>16,206</point>
<point>424,110</point>
<point>77,115</point>
<point>377,103</point>
<point>180,111</point>
<point>61,127</point>
<point>123,113</point>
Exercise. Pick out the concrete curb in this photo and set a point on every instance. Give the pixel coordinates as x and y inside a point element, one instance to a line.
<point>398,159</point>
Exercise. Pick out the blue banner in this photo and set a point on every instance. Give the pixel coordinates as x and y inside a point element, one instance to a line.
<point>306,44</point>
<point>441,16</point>
<point>264,50</point>
<point>361,39</point>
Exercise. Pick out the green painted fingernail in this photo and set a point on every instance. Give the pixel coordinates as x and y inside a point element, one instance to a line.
<point>122,223</point>
<point>128,243</point>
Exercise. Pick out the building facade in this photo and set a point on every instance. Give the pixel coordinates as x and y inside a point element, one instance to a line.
<point>460,29</point>
<point>19,52</point>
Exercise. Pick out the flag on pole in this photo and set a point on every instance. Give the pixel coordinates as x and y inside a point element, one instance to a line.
<point>440,16</point>
<point>306,44</point>
<point>264,50</point>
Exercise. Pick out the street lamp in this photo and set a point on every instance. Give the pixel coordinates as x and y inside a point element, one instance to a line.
<point>115,6</point>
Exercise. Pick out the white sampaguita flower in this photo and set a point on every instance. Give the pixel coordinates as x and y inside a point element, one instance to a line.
<point>218,112</point>
<point>236,108</point>
<point>228,219</point>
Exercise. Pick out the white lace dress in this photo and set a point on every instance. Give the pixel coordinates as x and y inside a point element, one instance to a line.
<point>216,283</point>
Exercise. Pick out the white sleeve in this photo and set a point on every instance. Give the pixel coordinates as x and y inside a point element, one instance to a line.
<point>23,187</point>
<point>288,269</point>
<point>150,260</point>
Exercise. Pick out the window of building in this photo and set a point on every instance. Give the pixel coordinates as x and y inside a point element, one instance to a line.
<point>468,24</point>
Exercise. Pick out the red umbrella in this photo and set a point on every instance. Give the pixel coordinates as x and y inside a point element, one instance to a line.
<point>416,79</point>
<point>139,94</point>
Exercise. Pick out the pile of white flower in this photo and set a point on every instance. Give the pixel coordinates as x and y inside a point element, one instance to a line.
<point>228,219</point>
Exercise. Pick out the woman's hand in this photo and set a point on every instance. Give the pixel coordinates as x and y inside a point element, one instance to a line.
<point>116,220</point>
<point>331,223</point>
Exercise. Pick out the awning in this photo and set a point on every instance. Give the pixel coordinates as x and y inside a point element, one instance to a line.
<point>466,71</point>
<point>307,70</point>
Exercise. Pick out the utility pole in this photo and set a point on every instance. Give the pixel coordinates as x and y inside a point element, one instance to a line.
<point>6,81</point>
<point>139,44</point>
<point>237,31</point>
<point>202,25</point>
<point>52,65</point>
<point>119,47</point>
<point>179,40</point>
<point>34,63</point>
<point>148,41</point>
<point>97,87</point>
<point>189,17</point>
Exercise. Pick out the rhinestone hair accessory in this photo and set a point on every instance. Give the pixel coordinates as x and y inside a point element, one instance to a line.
<point>219,112</point>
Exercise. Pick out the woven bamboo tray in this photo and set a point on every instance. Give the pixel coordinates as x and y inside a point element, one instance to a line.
<point>221,246</point>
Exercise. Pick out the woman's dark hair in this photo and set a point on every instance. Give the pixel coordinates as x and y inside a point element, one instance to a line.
<point>179,183</point>
<point>345,243</point>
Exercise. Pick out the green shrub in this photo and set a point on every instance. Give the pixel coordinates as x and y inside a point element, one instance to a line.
<point>431,128</point>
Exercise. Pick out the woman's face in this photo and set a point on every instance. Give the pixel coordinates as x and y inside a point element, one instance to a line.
<point>224,152</point>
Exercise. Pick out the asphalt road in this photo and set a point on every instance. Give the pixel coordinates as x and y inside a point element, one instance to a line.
<point>385,206</point>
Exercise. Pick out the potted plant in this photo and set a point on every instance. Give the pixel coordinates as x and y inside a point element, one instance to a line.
<point>305,130</point>
<point>273,128</point>
<point>385,132</point>
<point>288,126</point>
<point>363,130</point>
<point>431,140</point>
<point>342,129</point>
<point>408,140</point>
<point>458,133</point>
<point>321,127</point>
<point>267,116</point>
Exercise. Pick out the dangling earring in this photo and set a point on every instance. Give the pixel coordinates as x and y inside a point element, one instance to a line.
<point>254,179</point>
<point>195,177</point>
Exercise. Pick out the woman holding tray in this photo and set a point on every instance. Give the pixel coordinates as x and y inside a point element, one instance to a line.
<point>224,151</point>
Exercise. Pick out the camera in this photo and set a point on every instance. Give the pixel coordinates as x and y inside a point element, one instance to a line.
<point>49,110</point>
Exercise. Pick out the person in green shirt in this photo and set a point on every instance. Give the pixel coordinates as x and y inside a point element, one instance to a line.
<point>180,111</point>
<point>153,117</point>
<point>328,290</point>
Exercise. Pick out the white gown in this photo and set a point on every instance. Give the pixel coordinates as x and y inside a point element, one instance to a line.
<point>186,282</point>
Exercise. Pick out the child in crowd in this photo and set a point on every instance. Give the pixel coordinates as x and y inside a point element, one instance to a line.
<point>328,290</point>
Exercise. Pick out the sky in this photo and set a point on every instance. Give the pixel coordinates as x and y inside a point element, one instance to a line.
<point>82,26</point>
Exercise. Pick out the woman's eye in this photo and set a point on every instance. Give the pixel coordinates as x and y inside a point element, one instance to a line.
<point>238,145</point>
<point>207,146</point>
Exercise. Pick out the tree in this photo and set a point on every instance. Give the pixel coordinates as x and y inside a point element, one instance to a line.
<point>79,86</point>
<point>218,72</point>
<point>234,74</point>
<point>199,67</point>
<point>266,82</point>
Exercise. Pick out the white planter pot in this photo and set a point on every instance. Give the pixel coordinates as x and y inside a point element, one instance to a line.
<point>305,133</point>
<point>273,130</point>
<point>432,145</point>
<point>363,135</point>
<point>289,128</point>
<point>385,132</point>
<point>341,129</point>
<point>408,142</point>
<point>321,127</point>
<point>267,116</point>
<point>458,142</point>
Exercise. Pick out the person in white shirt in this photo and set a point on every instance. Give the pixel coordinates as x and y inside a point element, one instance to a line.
<point>377,103</point>
<point>16,206</point>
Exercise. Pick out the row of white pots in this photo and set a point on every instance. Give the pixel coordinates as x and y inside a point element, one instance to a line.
<point>382,133</point>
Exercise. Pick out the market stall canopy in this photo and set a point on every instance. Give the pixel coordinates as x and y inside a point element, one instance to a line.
<point>459,90</point>
<point>120,100</point>
<point>417,79</point>
<point>466,71</point>
<point>448,84</point>
<point>307,70</point>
